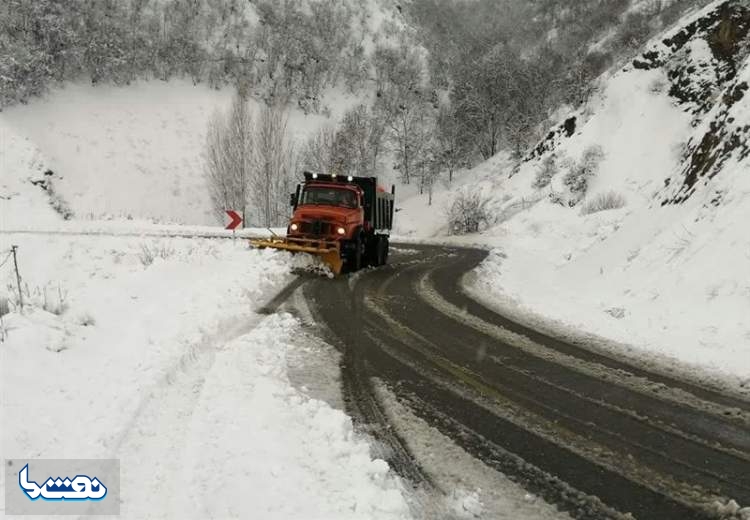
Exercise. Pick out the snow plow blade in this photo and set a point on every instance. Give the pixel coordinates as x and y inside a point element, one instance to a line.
<point>328,250</point>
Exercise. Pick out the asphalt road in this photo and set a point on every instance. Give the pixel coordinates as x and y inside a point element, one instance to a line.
<point>595,435</point>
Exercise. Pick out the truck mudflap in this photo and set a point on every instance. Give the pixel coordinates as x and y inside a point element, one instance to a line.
<point>327,250</point>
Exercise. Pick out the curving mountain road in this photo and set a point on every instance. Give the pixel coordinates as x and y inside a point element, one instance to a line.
<point>592,434</point>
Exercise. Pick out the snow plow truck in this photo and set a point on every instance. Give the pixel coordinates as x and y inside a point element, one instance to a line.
<point>344,220</point>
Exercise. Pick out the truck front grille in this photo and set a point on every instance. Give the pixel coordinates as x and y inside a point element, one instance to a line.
<point>316,228</point>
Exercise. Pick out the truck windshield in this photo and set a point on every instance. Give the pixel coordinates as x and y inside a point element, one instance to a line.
<point>329,197</point>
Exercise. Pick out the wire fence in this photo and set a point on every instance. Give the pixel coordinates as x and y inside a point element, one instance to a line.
<point>6,300</point>
<point>7,257</point>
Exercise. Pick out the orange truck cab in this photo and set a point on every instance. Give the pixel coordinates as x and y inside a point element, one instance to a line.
<point>349,214</point>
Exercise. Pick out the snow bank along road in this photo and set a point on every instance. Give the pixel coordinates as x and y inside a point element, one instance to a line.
<point>151,351</point>
<point>596,436</point>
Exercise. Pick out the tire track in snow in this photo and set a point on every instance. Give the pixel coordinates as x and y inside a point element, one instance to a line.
<point>365,409</point>
<point>155,436</point>
<point>155,432</point>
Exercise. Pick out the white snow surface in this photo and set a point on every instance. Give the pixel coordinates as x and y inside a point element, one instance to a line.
<point>165,365</point>
<point>127,152</point>
<point>666,283</point>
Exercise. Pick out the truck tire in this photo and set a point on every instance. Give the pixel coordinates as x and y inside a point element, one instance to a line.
<point>359,253</point>
<point>378,251</point>
<point>371,250</point>
<point>373,255</point>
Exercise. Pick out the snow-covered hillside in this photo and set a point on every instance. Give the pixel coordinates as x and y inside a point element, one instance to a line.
<point>665,274</point>
<point>122,152</point>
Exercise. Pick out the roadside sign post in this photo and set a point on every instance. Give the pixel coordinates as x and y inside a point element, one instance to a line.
<point>236,221</point>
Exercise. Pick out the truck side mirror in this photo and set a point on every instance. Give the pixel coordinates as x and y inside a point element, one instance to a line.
<point>293,200</point>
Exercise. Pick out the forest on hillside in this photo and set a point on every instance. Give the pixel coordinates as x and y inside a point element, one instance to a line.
<point>268,47</point>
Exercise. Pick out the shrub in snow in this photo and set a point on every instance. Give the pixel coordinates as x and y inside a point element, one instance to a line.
<point>603,202</point>
<point>148,254</point>
<point>556,197</point>
<point>546,171</point>
<point>51,299</point>
<point>469,213</point>
<point>616,312</point>
<point>60,205</point>
<point>86,320</point>
<point>55,199</point>
<point>577,178</point>
<point>54,300</point>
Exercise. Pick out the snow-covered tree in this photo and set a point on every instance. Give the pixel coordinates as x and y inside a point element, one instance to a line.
<point>273,166</point>
<point>230,158</point>
<point>451,146</point>
<point>318,151</point>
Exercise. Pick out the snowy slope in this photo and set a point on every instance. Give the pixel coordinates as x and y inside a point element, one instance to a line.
<point>150,350</point>
<point>124,152</point>
<point>665,275</point>
<point>21,166</point>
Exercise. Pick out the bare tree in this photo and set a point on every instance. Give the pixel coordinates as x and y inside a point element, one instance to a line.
<point>409,128</point>
<point>354,148</point>
<point>400,85</point>
<point>450,145</point>
<point>422,148</point>
<point>359,142</point>
<point>273,165</point>
<point>317,154</point>
<point>229,158</point>
<point>428,166</point>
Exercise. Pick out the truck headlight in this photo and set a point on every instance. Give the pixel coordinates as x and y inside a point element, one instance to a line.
<point>341,231</point>
<point>294,227</point>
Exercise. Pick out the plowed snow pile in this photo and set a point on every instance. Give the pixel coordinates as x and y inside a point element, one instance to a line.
<point>150,350</point>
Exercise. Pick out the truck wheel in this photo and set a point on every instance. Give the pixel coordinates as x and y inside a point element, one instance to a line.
<point>358,253</point>
<point>380,246</point>
<point>386,246</point>
<point>371,251</point>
